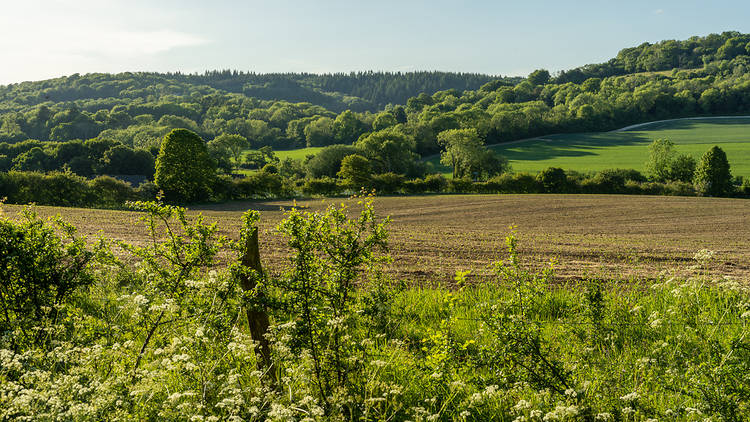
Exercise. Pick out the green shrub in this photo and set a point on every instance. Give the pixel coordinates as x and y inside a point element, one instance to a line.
<point>39,270</point>
<point>677,188</point>
<point>415,186</point>
<point>553,180</point>
<point>516,183</point>
<point>110,192</point>
<point>460,185</point>
<point>387,183</point>
<point>436,183</point>
<point>261,185</point>
<point>326,186</point>
<point>712,176</point>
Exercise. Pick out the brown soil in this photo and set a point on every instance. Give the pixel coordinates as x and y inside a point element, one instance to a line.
<point>627,237</point>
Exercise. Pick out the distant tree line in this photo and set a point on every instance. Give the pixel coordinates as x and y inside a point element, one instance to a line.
<point>185,172</point>
<point>85,158</point>
<point>359,91</point>
<point>664,55</point>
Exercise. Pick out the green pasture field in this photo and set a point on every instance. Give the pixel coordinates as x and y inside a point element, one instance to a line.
<point>585,152</point>
<point>295,154</point>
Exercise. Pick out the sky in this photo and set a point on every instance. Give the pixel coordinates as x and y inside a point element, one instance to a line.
<point>41,39</point>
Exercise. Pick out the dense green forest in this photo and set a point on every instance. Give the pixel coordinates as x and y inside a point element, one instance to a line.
<point>359,91</point>
<point>101,124</point>
<point>665,55</point>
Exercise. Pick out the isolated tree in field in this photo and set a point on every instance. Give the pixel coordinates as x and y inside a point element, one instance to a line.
<point>464,151</point>
<point>184,169</point>
<point>460,148</point>
<point>356,171</point>
<point>661,152</point>
<point>234,145</point>
<point>712,176</point>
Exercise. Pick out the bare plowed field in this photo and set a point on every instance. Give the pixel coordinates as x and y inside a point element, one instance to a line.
<point>431,237</point>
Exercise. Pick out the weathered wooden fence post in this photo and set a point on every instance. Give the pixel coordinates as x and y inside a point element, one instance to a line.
<point>257,318</point>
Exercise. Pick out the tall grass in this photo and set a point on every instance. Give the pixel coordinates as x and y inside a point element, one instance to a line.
<point>512,347</point>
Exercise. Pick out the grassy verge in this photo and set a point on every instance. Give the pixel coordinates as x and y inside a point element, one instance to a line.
<point>144,342</point>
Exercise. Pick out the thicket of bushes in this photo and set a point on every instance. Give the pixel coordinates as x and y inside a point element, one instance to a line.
<point>66,189</point>
<point>552,180</point>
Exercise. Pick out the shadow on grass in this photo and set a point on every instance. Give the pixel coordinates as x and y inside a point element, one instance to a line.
<point>587,144</point>
<point>570,145</point>
<point>692,124</point>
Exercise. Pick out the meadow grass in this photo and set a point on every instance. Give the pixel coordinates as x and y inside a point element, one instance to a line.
<point>588,152</point>
<point>297,154</point>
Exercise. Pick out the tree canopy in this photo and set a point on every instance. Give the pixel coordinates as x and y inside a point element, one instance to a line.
<point>184,169</point>
<point>712,176</point>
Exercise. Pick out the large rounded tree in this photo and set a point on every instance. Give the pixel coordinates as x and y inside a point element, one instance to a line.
<point>712,176</point>
<point>184,169</point>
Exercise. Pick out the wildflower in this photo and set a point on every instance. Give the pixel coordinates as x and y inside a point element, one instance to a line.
<point>704,255</point>
<point>522,404</point>
<point>691,410</point>
<point>458,384</point>
<point>630,397</point>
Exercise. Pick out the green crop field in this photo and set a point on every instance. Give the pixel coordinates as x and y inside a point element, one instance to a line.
<point>628,149</point>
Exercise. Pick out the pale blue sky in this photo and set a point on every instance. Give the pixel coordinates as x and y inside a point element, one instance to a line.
<point>47,38</point>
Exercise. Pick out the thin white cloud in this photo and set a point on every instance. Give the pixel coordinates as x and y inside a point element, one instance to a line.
<point>133,43</point>
<point>40,39</point>
<point>658,12</point>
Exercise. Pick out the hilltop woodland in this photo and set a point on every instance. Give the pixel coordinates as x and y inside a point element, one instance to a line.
<point>69,133</point>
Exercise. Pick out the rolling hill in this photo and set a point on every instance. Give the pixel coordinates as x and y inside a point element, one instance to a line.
<point>585,152</point>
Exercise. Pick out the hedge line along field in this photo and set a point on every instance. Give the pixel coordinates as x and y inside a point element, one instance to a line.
<point>585,152</point>
<point>431,237</point>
